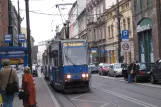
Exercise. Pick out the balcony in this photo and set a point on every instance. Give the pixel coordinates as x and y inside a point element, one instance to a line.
<point>101,20</point>
<point>91,20</point>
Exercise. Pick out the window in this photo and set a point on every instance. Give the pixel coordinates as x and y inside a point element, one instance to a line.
<point>109,32</point>
<point>141,4</point>
<point>112,31</point>
<point>101,8</point>
<point>94,34</point>
<point>127,5</point>
<point>149,3</point>
<point>136,5</point>
<point>99,33</point>
<point>129,24</point>
<point>124,24</point>
<point>103,32</point>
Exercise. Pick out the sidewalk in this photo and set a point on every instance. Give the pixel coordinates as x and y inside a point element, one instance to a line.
<point>45,98</point>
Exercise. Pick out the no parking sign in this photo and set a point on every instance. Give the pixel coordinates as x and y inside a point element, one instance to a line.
<point>125,46</point>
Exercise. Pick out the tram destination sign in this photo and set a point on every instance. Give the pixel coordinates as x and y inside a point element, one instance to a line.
<point>72,44</point>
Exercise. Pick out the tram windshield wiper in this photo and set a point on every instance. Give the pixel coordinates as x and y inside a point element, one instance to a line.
<point>69,60</point>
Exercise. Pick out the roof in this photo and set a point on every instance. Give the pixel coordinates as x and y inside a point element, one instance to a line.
<point>13,48</point>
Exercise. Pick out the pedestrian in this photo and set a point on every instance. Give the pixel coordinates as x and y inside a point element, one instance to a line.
<point>28,83</point>
<point>131,71</point>
<point>8,76</point>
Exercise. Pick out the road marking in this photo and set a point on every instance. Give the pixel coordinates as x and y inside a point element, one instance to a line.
<point>125,97</point>
<point>51,95</point>
<point>150,85</point>
<point>78,96</point>
<point>105,105</point>
<point>88,101</point>
<point>122,80</point>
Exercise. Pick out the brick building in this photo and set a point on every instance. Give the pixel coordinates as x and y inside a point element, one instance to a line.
<point>4,21</point>
<point>147,40</point>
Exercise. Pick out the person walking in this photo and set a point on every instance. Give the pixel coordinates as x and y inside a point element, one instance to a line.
<point>7,76</point>
<point>131,71</point>
<point>28,83</point>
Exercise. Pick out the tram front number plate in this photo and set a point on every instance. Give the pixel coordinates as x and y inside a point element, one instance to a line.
<point>76,75</point>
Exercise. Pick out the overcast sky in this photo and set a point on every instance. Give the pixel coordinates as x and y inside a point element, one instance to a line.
<point>41,25</point>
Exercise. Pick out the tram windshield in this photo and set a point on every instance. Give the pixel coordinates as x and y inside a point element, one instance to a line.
<point>75,55</point>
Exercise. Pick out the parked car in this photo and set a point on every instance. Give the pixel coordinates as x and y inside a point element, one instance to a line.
<point>93,68</point>
<point>103,68</point>
<point>125,71</point>
<point>142,72</point>
<point>155,73</point>
<point>115,70</point>
<point>34,71</point>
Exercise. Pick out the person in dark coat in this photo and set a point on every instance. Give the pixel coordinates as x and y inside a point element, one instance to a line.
<point>132,71</point>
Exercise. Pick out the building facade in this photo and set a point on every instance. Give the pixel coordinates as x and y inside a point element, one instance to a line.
<point>24,31</point>
<point>146,24</point>
<point>74,13</point>
<point>82,25</point>
<point>112,31</point>
<point>4,22</point>
<point>73,24</point>
<point>96,30</point>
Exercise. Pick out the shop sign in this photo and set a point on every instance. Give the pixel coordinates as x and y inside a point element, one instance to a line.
<point>14,61</point>
<point>109,48</point>
<point>143,28</point>
<point>125,47</point>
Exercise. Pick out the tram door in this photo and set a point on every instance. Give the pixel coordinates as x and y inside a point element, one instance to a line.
<point>56,66</point>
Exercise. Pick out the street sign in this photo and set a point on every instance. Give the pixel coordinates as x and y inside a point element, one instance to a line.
<point>125,46</point>
<point>21,38</point>
<point>125,35</point>
<point>8,38</point>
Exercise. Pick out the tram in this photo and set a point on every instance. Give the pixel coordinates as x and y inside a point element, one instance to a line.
<point>67,67</point>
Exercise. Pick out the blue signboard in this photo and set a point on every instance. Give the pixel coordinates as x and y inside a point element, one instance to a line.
<point>8,38</point>
<point>21,38</point>
<point>125,35</point>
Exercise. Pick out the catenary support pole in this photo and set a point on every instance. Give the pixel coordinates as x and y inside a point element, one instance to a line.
<point>10,30</point>
<point>28,34</point>
<point>19,20</point>
<point>119,31</point>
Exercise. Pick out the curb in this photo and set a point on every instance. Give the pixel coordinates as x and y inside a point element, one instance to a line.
<point>51,95</point>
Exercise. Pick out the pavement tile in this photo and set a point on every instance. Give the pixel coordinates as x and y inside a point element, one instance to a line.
<point>43,96</point>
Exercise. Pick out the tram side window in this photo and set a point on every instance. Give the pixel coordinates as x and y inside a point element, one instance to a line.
<point>55,57</point>
<point>60,58</point>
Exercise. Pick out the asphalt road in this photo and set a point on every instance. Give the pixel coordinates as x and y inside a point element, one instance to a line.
<point>113,92</point>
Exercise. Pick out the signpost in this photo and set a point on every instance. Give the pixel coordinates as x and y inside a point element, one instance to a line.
<point>125,35</point>
<point>21,38</point>
<point>125,46</point>
<point>8,38</point>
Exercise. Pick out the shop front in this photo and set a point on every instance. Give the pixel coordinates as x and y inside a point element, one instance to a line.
<point>144,32</point>
<point>111,57</point>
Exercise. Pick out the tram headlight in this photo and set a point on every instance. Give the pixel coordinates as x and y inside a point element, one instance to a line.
<point>85,75</point>
<point>69,76</point>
